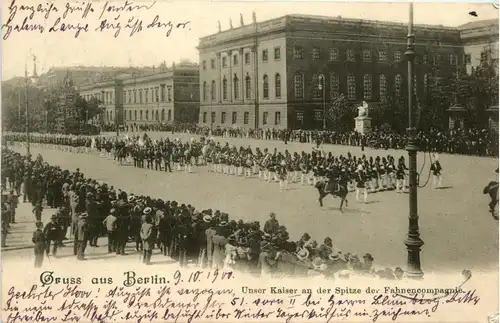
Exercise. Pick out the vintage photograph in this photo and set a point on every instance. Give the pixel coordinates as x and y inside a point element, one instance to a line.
<point>341,141</point>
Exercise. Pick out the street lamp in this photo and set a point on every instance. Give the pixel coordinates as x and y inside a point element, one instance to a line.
<point>321,87</point>
<point>413,242</point>
<point>27,81</point>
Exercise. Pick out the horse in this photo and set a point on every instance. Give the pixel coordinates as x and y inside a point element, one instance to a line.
<point>492,190</point>
<point>341,192</point>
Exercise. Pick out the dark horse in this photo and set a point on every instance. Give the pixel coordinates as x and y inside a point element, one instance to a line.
<point>492,190</point>
<point>341,192</point>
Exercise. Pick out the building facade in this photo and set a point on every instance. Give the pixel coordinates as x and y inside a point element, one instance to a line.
<point>281,73</point>
<point>170,95</point>
<point>480,40</point>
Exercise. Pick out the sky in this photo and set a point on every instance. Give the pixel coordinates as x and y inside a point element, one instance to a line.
<point>151,46</point>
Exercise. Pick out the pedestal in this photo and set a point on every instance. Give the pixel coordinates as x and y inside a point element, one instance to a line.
<point>363,125</point>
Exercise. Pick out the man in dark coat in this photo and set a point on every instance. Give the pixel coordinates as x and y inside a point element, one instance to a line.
<point>39,240</point>
<point>148,237</point>
<point>82,236</point>
<point>52,232</point>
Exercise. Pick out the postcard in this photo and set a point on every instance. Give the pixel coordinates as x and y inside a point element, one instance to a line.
<point>234,161</point>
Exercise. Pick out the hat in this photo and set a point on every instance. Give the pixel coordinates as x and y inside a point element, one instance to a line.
<point>283,163</point>
<point>317,262</point>
<point>112,211</point>
<point>334,256</point>
<point>207,218</point>
<point>302,254</point>
<point>368,257</point>
<point>131,198</point>
<point>83,215</point>
<point>223,223</point>
<point>147,210</point>
<point>39,224</point>
<point>360,167</point>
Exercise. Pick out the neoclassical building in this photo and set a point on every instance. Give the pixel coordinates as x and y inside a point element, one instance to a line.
<point>282,72</point>
<point>169,95</point>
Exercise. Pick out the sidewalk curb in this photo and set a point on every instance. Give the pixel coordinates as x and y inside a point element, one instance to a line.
<point>29,246</point>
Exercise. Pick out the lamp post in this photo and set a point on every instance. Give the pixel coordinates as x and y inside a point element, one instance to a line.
<point>413,242</point>
<point>321,86</point>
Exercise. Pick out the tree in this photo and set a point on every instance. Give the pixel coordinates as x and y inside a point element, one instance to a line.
<point>340,115</point>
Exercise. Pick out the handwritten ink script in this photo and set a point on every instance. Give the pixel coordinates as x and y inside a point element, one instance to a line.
<point>77,18</point>
<point>216,295</point>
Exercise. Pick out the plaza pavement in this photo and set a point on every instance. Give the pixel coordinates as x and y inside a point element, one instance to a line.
<point>454,222</point>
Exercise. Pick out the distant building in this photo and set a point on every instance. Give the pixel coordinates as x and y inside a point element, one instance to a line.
<point>282,72</point>
<point>85,74</point>
<point>479,39</point>
<point>166,96</point>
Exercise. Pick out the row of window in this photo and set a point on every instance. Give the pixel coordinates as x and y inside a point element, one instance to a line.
<point>246,59</point>
<point>236,88</point>
<point>367,55</point>
<point>318,85</point>
<point>246,117</point>
<point>148,95</point>
<point>319,88</point>
<point>105,97</point>
<point>140,115</point>
<point>333,55</point>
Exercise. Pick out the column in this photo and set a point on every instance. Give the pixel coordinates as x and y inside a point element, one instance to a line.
<point>230,78</point>
<point>242,78</point>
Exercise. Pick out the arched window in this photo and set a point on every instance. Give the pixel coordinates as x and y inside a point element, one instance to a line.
<point>141,115</point>
<point>367,87</point>
<point>130,114</point>
<point>147,114</point>
<point>157,116</point>
<point>265,86</point>
<point>213,90</point>
<point>169,115</point>
<point>334,85</point>
<point>351,87</point>
<point>383,86</point>
<point>277,85</point>
<point>204,91</point>
<point>135,115</point>
<point>298,84</point>
<point>248,87</point>
<point>236,87</point>
<point>163,115</point>
<point>397,85</point>
<point>111,115</point>
<point>317,93</point>
<point>224,88</point>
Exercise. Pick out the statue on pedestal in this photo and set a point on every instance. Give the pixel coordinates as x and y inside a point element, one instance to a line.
<point>363,110</point>
<point>362,121</point>
<point>218,26</point>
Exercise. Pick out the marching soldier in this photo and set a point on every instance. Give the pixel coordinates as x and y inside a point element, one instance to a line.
<point>436,173</point>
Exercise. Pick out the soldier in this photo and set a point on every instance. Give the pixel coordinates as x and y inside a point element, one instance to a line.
<point>436,173</point>
<point>148,237</point>
<point>361,184</point>
<point>39,240</point>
